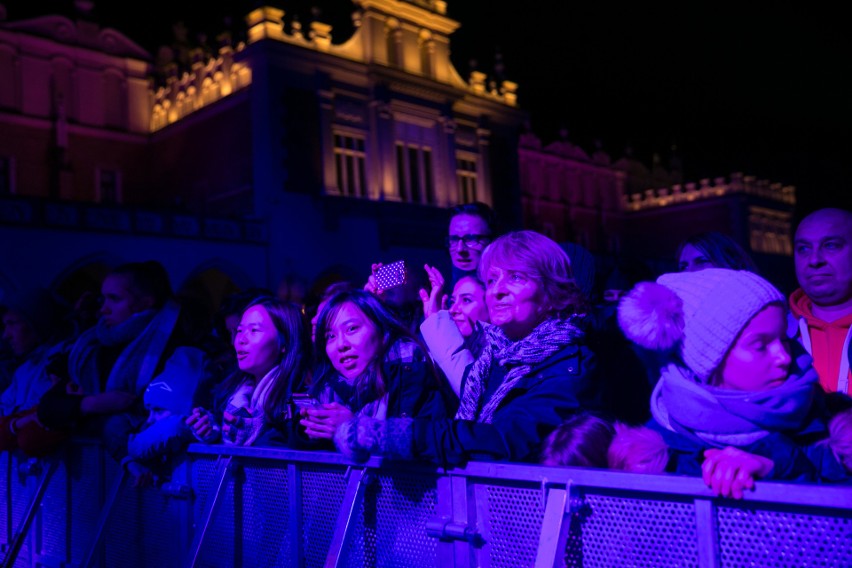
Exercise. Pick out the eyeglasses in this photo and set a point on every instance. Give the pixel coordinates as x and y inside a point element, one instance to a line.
<point>470,241</point>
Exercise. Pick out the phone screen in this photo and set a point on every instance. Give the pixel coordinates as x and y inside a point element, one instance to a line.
<point>390,275</point>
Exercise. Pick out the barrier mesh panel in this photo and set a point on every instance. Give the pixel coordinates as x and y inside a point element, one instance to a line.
<point>218,547</point>
<point>52,528</point>
<point>23,488</point>
<point>515,519</point>
<point>87,493</point>
<point>142,529</point>
<point>609,531</point>
<point>266,517</point>
<point>773,539</point>
<point>403,505</point>
<point>322,496</point>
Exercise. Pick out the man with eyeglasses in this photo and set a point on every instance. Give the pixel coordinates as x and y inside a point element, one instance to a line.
<point>471,230</point>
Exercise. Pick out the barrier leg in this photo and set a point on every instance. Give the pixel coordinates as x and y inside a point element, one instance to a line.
<point>352,500</point>
<point>554,528</point>
<point>24,527</point>
<point>103,518</point>
<point>223,472</point>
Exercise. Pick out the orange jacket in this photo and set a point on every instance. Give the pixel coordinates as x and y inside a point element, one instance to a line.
<point>827,342</point>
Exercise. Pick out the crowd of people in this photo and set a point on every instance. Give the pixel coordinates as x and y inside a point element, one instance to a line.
<point>709,371</point>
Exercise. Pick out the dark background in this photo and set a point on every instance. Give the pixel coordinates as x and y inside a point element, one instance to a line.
<point>757,88</point>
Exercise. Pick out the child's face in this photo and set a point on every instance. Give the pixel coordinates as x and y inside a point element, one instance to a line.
<point>156,413</point>
<point>759,359</point>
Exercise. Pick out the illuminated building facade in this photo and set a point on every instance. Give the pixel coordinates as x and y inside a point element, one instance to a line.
<point>284,153</point>
<point>293,153</point>
<point>627,210</point>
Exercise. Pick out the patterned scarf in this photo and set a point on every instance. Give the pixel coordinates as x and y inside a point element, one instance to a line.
<point>520,356</point>
<point>727,417</point>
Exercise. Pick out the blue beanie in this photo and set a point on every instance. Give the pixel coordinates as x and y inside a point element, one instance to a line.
<point>174,388</point>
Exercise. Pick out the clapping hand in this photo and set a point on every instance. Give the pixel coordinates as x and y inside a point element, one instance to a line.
<point>433,300</point>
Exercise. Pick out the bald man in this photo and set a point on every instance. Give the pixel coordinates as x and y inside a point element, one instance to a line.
<point>823,304</point>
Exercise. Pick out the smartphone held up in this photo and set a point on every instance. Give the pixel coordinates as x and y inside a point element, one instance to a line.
<point>390,276</point>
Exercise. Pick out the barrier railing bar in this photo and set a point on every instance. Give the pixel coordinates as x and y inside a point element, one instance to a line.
<point>223,473</point>
<point>822,495</point>
<point>802,494</point>
<point>708,538</point>
<point>103,518</point>
<point>352,499</point>
<point>24,527</point>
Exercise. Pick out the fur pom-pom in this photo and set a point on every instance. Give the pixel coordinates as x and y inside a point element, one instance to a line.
<point>651,315</point>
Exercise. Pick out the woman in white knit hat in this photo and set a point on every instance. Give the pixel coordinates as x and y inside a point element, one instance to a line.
<point>733,403</point>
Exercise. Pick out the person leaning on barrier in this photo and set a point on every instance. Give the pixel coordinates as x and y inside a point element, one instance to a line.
<point>533,373</point>
<point>28,326</point>
<point>733,404</point>
<point>368,365</point>
<point>252,406</point>
<point>141,327</point>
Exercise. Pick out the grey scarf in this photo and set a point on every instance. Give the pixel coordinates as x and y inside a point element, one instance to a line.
<point>520,356</point>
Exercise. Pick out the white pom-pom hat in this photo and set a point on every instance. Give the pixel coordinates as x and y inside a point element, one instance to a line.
<point>701,313</point>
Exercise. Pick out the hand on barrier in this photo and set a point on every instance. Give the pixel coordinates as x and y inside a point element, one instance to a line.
<point>729,471</point>
<point>323,421</point>
<point>392,438</point>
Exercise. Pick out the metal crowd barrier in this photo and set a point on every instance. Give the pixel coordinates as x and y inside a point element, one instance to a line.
<point>263,507</point>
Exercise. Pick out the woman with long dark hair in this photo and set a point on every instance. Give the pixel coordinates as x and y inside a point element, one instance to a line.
<point>368,364</point>
<point>271,354</point>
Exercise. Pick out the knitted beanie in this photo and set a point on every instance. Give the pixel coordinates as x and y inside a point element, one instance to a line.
<point>174,388</point>
<point>702,313</point>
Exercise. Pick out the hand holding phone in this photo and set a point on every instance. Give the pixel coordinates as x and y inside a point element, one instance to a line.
<point>303,400</point>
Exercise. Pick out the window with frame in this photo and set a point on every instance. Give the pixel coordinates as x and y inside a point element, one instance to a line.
<point>109,186</point>
<point>466,176</point>
<point>350,165</point>
<point>414,173</point>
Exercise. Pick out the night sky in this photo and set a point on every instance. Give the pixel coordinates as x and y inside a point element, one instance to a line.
<point>760,89</point>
